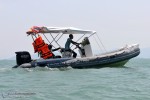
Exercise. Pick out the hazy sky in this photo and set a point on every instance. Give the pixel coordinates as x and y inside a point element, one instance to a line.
<point>118,22</point>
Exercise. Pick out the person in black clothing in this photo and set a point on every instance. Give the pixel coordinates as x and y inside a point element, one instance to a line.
<point>50,48</point>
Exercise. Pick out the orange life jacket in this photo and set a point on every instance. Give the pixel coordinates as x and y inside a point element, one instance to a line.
<point>38,43</point>
<point>45,52</point>
<point>35,47</point>
<point>41,47</point>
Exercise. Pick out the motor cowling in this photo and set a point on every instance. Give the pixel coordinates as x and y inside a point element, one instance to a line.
<point>22,57</point>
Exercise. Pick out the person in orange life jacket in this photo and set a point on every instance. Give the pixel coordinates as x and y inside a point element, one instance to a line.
<point>50,48</point>
<point>67,45</point>
<point>45,52</point>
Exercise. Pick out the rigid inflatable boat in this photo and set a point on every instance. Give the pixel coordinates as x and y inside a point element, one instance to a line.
<point>86,59</point>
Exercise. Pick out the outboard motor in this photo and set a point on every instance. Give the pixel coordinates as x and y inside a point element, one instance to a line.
<point>22,57</point>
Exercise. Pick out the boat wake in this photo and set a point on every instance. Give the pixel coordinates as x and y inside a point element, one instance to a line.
<point>5,69</point>
<point>47,69</point>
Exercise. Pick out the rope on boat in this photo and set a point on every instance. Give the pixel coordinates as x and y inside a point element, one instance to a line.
<point>101,43</point>
<point>92,34</point>
<point>98,43</point>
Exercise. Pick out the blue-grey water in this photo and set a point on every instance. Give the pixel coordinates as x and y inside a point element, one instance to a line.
<point>131,82</point>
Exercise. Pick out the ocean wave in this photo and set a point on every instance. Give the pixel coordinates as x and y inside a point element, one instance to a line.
<point>5,69</point>
<point>47,69</point>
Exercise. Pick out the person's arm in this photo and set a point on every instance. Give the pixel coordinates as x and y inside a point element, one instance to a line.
<point>55,49</point>
<point>75,43</point>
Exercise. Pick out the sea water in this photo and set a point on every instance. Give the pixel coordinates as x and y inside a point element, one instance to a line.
<point>131,82</point>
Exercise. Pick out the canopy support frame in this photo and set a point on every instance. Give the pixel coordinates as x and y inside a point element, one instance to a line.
<point>55,40</point>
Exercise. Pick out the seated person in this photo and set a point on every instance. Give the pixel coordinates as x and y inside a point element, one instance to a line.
<point>50,48</point>
<point>67,45</point>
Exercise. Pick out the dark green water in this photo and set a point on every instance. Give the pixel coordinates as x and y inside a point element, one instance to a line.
<point>131,82</point>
